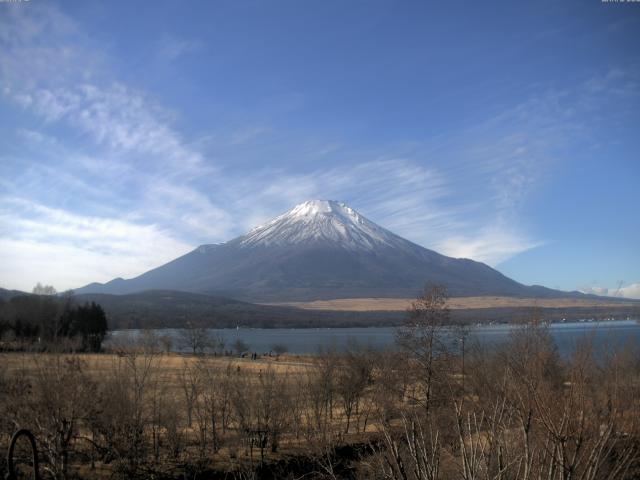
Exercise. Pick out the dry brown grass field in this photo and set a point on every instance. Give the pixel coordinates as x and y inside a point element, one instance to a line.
<point>181,382</point>
<point>454,303</point>
<point>170,364</point>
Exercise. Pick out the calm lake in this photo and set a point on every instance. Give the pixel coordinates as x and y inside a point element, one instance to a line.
<point>609,334</point>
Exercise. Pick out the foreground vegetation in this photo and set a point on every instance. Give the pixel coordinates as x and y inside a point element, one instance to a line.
<point>429,410</point>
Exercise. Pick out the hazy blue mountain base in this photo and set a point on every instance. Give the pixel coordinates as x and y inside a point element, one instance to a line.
<point>321,250</point>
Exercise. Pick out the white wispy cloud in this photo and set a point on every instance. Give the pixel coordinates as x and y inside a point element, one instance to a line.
<point>183,205</point>
<point>491,244</point>
<point>46,69</point>
<point>630,291</point>
<point>56,245</point>
<point>116,117</point>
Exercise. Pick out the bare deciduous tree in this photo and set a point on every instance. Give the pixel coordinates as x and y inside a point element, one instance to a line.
<point>40,289</point>
<point>190,383</point>
<point>196,339</point>
<point>422,338</point>
<point>353,376</point>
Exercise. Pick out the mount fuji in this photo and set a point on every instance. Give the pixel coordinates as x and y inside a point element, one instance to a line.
<point>320,250</point>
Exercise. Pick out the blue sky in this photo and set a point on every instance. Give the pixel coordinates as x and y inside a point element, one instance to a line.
<point>506,132</point>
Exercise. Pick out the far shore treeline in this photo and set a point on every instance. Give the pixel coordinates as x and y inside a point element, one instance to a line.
<point>174,309</point>
<point>43,321</point>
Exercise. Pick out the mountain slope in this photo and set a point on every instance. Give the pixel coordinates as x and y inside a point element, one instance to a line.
<point>9,294</point>
<point>319,250</point>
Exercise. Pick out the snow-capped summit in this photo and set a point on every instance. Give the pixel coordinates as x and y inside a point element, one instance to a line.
<point>314,207</point>
<point>321,221</point>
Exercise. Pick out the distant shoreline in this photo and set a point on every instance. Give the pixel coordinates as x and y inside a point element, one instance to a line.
<point>454,303</point>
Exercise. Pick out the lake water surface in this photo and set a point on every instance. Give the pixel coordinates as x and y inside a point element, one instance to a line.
<point>605,334</point>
